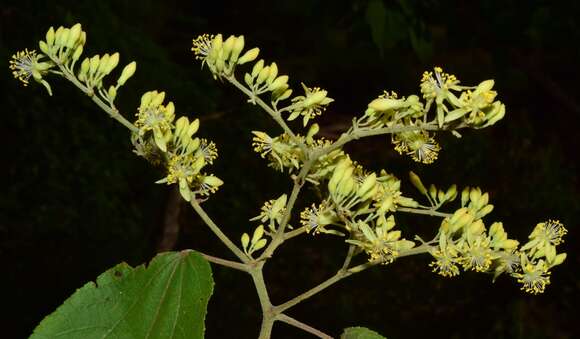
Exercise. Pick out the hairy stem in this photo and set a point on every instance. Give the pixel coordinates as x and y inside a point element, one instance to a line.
<point>218,232</point>
<point>363,133</point>
<point>227,263</point>
<point>425,212</point>
<point>298,324</point>
<point>111,111</point>
<point>254,98</point>
<point>268,316</point>
<point>341,274</point>
<point>298,183</point>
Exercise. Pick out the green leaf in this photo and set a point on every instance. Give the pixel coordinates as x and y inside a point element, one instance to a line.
<point>360,333</point>
<point>167,299</point>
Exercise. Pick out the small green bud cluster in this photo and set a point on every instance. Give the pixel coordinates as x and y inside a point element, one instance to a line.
<point>174,147</point>
<point>263,78</point>
<point>220,56</point>
<point>271,214</point>
<point>256,243</point>
<point>64,47</point>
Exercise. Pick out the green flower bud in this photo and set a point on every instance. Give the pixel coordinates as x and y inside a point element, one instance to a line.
<point>128,72</point>
<point>259,245</point>
<point>103,63</point>
<point>84,69</point>
<point>368,184</point>
<point>50,36</point>
<point>257,68</point>
<point>245,241</point>
<point>63,37</point>
<point>44,47</point>
<point>416,181</point>
<point>237,49</point>
<point>465,196</point>
<point>157,99</point>
<point>250,55</point>
<point>184,189</point>
<point>217,43</point>
<point>77,53</point>
<point>287,93</point>
<point>258,234</point>
<point>273,73</point>
<point>559,259</point>
<point>451,193</point>
<point>484,211</point>
<point>58,36</point>
<point>484,86</point>
<point>74,35</point>
<point>278,83</point>
<point>94,65</point>
<point>112,93</point>
<point>263,75</point>
<point>383,104</point>
<point>193,128</point>
<point>113,62</point>
<point>228,47</point>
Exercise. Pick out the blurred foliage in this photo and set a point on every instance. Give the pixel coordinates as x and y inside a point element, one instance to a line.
<point>76,201</point>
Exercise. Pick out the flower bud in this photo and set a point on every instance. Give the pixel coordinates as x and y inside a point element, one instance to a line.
<point>383,104</point>
<point>273,72</point>
<point>250,55</point>
<point>278,83</point>
<point>44,47</point>
<point>128,72</point>
<point>74,35</point>
<point>257,68</point>
<point>112,93</point>
<point>245,241</point>
<point>77,53</point>
<point>416,181</point>
<point>94,65</point>
<point>258,233</point>
<point>84,69</point>
<point>237,49</point>
<point>228,47</point>
<point>50,36</point>
<point>113,62</point>
<point>263,75</point>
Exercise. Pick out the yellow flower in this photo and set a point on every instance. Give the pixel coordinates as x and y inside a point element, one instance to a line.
<point>26,64</point>
<point>310,105</point>
<point>476,255</point>
<point>446,257</point>
<point>202,46</point>
<point>534,276</point>
<point>418,144</point>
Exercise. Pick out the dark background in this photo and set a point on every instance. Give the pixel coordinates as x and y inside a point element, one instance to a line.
<point>76,201</point>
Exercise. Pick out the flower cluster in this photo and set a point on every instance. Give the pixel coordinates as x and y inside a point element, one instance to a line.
<point>221,56</point>
<point>455,107</point>
<point>474,105</point>
<point>311,104</point>
<point>64,47</point>
<point>463,241</point>
<point>183,156</point>
<point>361,203</point>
